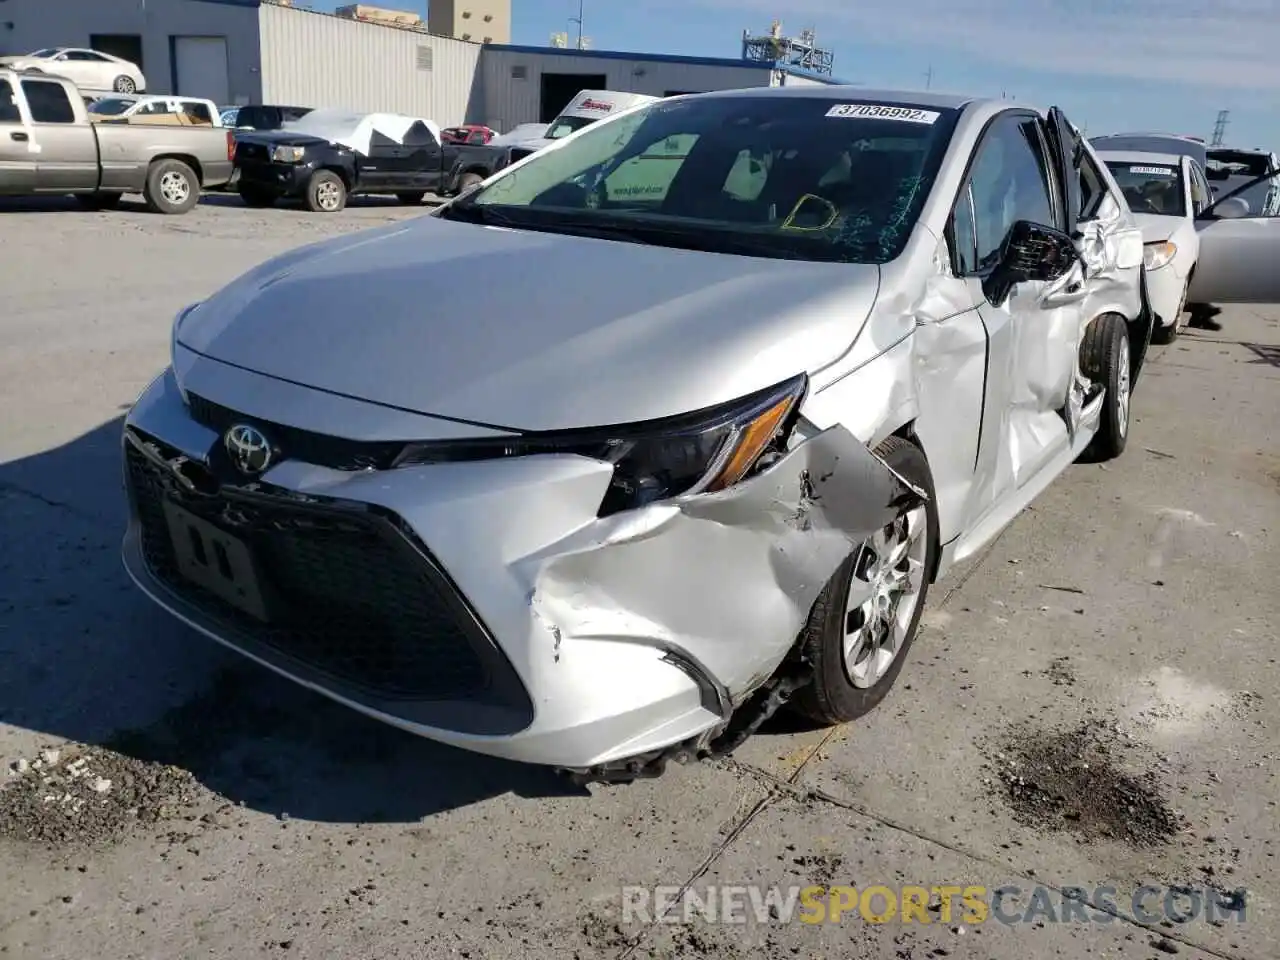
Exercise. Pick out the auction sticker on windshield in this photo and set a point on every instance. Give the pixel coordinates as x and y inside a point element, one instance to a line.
<point>883,111</point>
<point>1154,171</point>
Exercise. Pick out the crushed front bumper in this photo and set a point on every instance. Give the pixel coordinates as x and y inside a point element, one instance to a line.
<point>484,604</point>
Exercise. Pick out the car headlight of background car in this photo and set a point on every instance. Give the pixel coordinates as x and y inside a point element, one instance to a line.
<point>695,453</point>
<point>287,154</point>
<point>1158,254</point>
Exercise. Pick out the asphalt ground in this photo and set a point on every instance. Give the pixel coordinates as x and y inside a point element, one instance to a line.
<point>1091,704</point>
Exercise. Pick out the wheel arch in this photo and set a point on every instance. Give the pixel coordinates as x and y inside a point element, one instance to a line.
<point>186,158</point>
<point>907,431</point>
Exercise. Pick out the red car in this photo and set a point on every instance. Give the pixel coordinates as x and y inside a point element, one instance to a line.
<point>471,133</point>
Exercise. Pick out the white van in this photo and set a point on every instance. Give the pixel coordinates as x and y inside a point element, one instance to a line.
<point>585,109</point>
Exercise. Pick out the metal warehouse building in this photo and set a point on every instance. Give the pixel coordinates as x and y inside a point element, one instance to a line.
<point>256,51</point>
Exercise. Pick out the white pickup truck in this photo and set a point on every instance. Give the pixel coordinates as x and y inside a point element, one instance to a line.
<point>49,146</point>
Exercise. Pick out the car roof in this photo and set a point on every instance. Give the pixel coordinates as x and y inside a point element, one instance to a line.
<point>1140,156</point>
<point>836,91</point>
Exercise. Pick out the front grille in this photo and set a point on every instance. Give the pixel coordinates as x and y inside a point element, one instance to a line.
<point>292,443</point>
<point>251,152</point>
<point>350,595</point>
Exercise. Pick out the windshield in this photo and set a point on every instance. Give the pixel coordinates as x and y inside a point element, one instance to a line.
<point>111,107</point>
<point>1151,187</point>
<point>793,178</point>
<point>567,125</point>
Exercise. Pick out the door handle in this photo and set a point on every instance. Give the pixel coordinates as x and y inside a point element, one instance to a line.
<point>19,136</point>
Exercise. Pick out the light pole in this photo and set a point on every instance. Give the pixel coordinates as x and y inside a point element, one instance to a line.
<point>578,21</point>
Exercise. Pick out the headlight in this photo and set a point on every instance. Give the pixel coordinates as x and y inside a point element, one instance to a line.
<point>283,154</point>
<point>699,452</point>
<point>1157,255</point>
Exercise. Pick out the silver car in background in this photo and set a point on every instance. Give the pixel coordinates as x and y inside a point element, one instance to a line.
<point>656,429</point>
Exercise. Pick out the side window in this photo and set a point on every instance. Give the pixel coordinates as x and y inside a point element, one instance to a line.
<point>1009,182</point>
<point>419,135</point>
<point>198,112</point>
<point>963,237</point>
<point>647,177</point>
<point>1199,190</point>
<point>1093,188</point>
<point>48,102</point>
<point>85,56</point>
<point>8,105</point>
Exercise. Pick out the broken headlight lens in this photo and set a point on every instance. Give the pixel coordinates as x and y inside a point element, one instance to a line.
<point>1157,255</point>
<point>695,453</point>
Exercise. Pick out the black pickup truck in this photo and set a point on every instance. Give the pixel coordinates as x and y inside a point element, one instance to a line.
<point>323,160</point>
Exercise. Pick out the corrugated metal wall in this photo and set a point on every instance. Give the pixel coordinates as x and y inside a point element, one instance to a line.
<point>510,99</point>
<point>317,60</point>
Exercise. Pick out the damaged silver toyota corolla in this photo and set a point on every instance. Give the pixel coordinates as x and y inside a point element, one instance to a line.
<point>665,425</point>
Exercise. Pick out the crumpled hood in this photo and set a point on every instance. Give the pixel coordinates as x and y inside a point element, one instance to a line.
<point>1156,227</point>
<point>528,330</point>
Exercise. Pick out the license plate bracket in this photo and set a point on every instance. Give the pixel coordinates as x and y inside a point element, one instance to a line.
<point>217,561</point>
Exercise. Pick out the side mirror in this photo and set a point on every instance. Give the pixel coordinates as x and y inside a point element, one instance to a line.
<point>1233,208</point>
<point>1031,252</point>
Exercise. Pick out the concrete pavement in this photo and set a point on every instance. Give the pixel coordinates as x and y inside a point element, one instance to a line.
<point>1093,703</point>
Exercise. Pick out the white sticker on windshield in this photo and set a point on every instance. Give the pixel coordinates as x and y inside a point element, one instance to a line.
<point>1154,171</point>
<point>883,111</point>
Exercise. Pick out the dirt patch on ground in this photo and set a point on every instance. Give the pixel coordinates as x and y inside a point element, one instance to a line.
<point>87,795</point>
<point>1073,781</point>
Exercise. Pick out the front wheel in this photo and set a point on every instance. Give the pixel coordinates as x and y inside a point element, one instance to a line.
<point>1166,335</point>
<point>469,180</point>
<point>867,616</point>
<point>1104,359</point>
<point>124,84</point>
<point>172,187</point>
<point>326,193</point>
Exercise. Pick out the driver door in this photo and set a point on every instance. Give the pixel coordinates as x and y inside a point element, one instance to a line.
<point>1239,254</point>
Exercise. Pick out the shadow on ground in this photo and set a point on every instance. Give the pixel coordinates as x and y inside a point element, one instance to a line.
<point>87,658</point>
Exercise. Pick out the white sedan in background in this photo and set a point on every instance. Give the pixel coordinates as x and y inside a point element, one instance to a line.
<point>1165,192</point>
<point>87,69</point>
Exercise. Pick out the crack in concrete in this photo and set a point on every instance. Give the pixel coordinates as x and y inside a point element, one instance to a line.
<point>12,488</point>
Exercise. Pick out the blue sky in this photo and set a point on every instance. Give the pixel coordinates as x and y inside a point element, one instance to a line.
<point>1111,64</point>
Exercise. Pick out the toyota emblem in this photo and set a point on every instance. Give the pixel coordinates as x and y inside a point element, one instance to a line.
<point>249,449</point>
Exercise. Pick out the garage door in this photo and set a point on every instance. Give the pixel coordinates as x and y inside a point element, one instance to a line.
<point>201,68</point>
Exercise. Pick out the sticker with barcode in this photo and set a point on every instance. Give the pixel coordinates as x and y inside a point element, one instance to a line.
<point>883,111</point>
<point>1154,171</point>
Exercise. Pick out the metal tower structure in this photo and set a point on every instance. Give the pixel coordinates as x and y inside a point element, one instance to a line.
<point>802,51</point>
<point>1220,127</point>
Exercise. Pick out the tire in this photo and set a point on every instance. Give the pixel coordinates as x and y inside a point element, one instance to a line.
<point>834,696</point>
<point>257,197</point>
<point>124,84</point>
<point>468,180</point>
<point>326,193</point>
<point>172,187</point>
<point>99,201</point>
<point>410,199</point>
<point>1165,335</point>
<point>1104,358</point>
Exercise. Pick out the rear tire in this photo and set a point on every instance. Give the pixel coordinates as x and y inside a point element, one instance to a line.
<point>172,187</point>
<point>326,193</point>
<point>1104,358</point>
<point>411,199</point>
<point>99,201</point>
<point>124,84</point>
<point>257,197</point>
<point>838,633</point>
